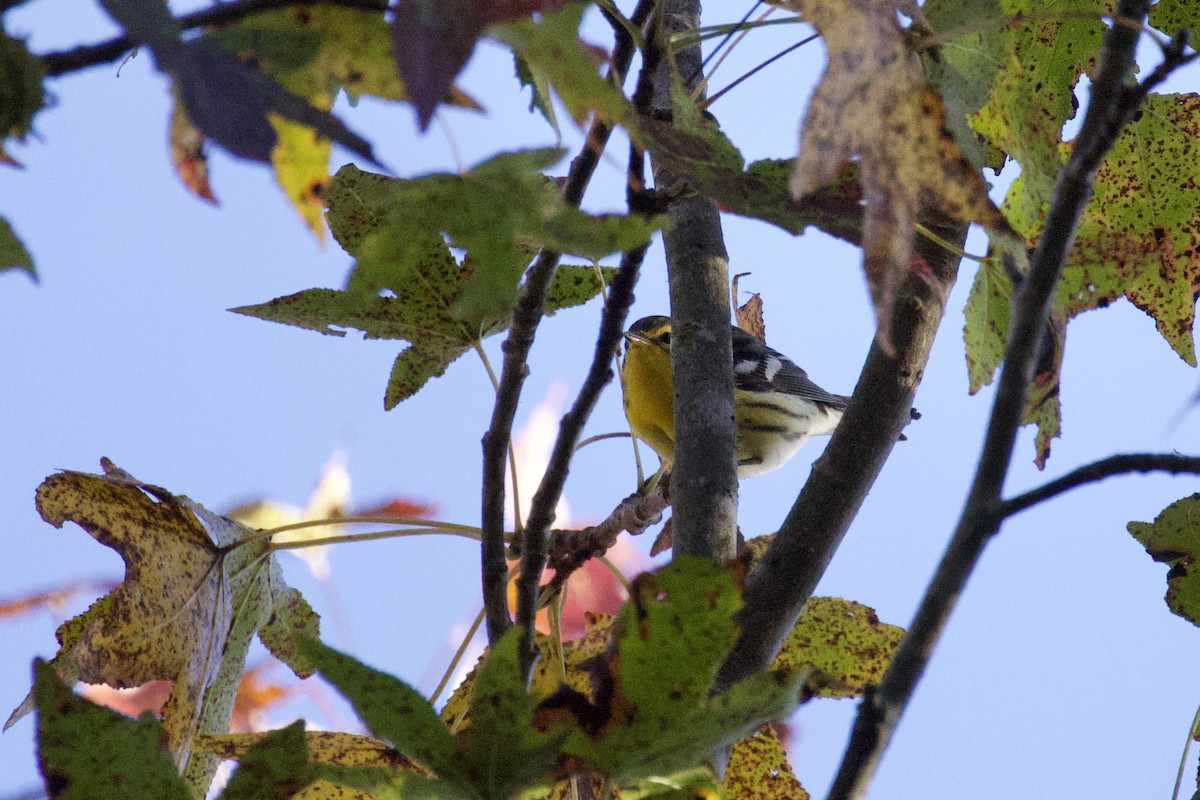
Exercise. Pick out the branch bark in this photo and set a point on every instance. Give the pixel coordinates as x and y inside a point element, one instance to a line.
<point>1098,471</point>
<point>93,55</point>
<point>1108,110</point>
<point>526,317</point>
<point>880,408</point>
<point>535,543</point>
<point>704,478</point>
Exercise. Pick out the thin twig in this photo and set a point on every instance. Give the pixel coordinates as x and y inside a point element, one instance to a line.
<point>1109,109</point>
<point>526,317</point>
<point>717,96</point>
<point>541,510</point>
<point>92,55</point>
<point>570,550</point>
<point>1098,471</point>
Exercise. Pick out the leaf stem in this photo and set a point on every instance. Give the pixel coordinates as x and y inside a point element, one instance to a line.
<point>456,658</point>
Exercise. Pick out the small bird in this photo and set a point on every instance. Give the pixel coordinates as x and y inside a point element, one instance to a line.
<point>776,406</point>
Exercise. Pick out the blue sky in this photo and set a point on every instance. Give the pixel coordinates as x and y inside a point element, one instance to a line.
<point>1062,672</point>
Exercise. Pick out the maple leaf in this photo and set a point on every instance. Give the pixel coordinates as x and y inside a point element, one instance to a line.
<point>433,39</point>
<point>407,284</point>
<point>13,254</point>
<point>188,153</point>
<point>1134,240</point>
<point>872,103</point>
<point>197,588</point>
<point>1174,539</point>
<point>315,51</point>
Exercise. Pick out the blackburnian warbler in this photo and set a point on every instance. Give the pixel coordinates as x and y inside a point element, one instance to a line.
<point>776,406</point>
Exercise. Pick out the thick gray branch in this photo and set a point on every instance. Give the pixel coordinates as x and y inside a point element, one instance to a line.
<point>1108,110</point>
<point>704,480</point>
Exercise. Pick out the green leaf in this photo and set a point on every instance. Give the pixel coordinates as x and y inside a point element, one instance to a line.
<point>13,254</point>
<point>965,65</point>
<point>501,749</point>
<point>1141,242</point>
<point>390,784</point>
<point>275,767</point>
<point>574,285</point>
<point>719,721</point>
<point>555,55</point>
<point>539,86</point>
<point>1131,242</point>
<point>988,309</point>
<point>314,51</point>
<point>419,312</point>
<point>197,588</point>
<point>696,152</point>
<point>844,641</point>
<point>1174,539</point>
<point>672,635</point>
<point>499,212</point>
<point>657,717</point>
<point>1041,57</point>
<point>22,93</point>
<point>125,756</point>
<point>1171,16</point>
<point>392,709</point>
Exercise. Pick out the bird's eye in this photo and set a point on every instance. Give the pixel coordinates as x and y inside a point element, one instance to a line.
<point>664,338</point>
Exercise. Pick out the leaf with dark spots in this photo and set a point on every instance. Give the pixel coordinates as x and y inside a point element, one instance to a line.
<point>275,767</point>
<point>758,768</point>
<point>188,152</point>
<point>501,747</point>
<point>197,588</point>
<point>1174,539</point>
<point>845,641</point>
<point>125,756</point>
<point>417,311</point>
<point>1133,241</point>
<point>393,710</point>
<point>651,713</point>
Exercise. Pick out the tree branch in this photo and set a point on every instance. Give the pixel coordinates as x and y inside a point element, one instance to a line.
<point>1098,471</point>
<point>541,510</point>
<point>1108,110</point>
<point>880,408</point>
<point>570,549</point>
<point>93,55</point>
<point>704,478</point>
<point>526,317</point>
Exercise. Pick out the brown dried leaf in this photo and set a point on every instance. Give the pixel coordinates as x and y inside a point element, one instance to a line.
<point>873,104</point>
<point>749,315</point>
<point>188,152</point>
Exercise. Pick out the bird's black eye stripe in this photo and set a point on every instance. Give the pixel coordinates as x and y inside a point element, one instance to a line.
<point>664,339</point>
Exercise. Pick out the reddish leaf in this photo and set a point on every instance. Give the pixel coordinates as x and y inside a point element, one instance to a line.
<point>432,42</point>
<point>433,39</point>
<point>398,508</point>
<point>187,153</point>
